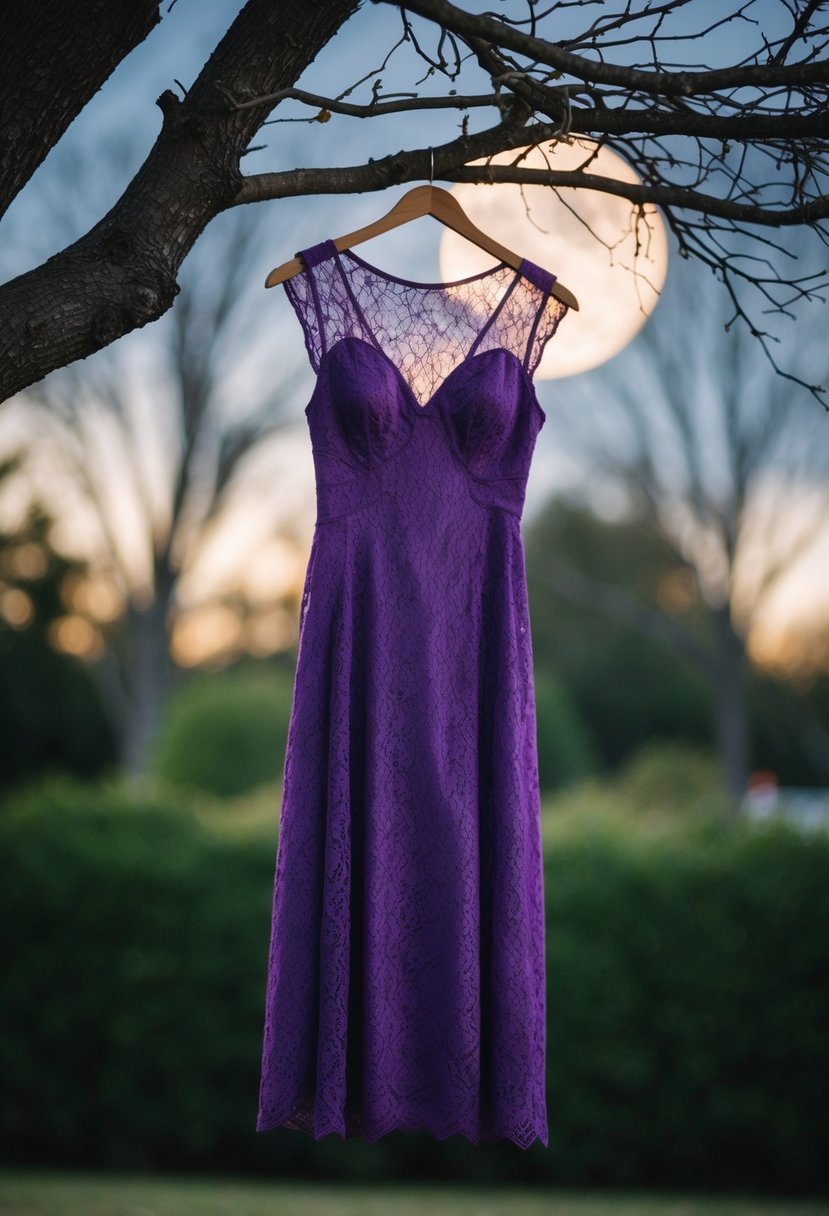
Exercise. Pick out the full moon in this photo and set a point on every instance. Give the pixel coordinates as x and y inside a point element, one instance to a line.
<point>610,256</point>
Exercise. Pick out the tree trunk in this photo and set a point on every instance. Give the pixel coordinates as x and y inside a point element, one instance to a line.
<point>152,677</point>
<point>136,674</point>
<point>732,723</point>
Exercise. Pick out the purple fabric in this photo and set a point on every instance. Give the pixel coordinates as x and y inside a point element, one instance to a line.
<point>406,970</point>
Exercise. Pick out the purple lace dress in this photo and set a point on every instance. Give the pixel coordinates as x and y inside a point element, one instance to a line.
<point>406,970</point>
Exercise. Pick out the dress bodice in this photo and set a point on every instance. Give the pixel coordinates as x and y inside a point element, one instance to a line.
<point>452,367</point>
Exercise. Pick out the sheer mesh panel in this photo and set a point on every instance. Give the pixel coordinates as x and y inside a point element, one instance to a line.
<point>426,330</point>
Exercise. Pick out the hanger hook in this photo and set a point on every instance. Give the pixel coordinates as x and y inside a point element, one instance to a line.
<point>431,164</point>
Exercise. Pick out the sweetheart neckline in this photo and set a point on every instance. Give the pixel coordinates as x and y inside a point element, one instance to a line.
<point>425,410</point>
<point>426,407</point>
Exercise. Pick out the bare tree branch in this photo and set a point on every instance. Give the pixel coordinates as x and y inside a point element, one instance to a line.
<point>724,151</point>
<point>415,164</point>
<point>122,273</point>
<point>584,121</point>
<point>51,67</point>
<point>631,79</point>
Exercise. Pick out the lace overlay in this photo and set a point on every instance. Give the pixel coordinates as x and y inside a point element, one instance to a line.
<point>427,331</point>
<point>406,973</point>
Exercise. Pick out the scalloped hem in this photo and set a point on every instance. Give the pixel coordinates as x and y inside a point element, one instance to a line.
<point>293,1122</point>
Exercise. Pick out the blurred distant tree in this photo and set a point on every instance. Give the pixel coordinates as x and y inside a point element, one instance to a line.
<point>155,478</point>
<point>50,714</point>
<point>629,688</point>
<point>726,464</point>
<point>625,687</point>
<point>722,150</point>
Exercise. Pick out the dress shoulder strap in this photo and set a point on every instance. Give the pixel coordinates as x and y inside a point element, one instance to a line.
<point>549,311</point>
<point>314,254</point>
<point>537,275</point>
<point>303,292</point>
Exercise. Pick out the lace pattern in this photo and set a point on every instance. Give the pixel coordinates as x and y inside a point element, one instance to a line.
<point>406,970</point>
<point>425,330</point>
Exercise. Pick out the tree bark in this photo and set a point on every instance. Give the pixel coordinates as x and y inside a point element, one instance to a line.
<point>121,275</point>
<point>51,67</point>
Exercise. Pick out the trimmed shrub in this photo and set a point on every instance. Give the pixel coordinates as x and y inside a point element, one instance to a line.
<point>225,733</point>
<point>566,749</point>
<point>688,1009</point>
<point>665,775</point>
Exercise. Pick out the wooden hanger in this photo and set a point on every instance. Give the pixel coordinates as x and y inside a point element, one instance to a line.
<point>423,200</point>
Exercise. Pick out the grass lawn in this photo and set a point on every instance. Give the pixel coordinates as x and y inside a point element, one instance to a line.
<point>33,1193</point>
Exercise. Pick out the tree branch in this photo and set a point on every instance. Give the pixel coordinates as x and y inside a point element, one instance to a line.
<point>663,84</point>
<point>449,164</point>
<point>585,120</point>
<point>52,63</point>
<point>122,273</point>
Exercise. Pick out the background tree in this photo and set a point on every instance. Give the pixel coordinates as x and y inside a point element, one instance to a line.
<point>707,451</point>
<point>726,150</point>
<point>156,478</point>
<point>50,716</point>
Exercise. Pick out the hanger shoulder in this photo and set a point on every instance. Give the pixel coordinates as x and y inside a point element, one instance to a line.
<point>287,270</point>
<point>565,295</point>
<point>413,205</point>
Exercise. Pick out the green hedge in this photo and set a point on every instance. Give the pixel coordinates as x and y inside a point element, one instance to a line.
<point>687,1007</point>
<point>566,748</point>
<point>225,733</point>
